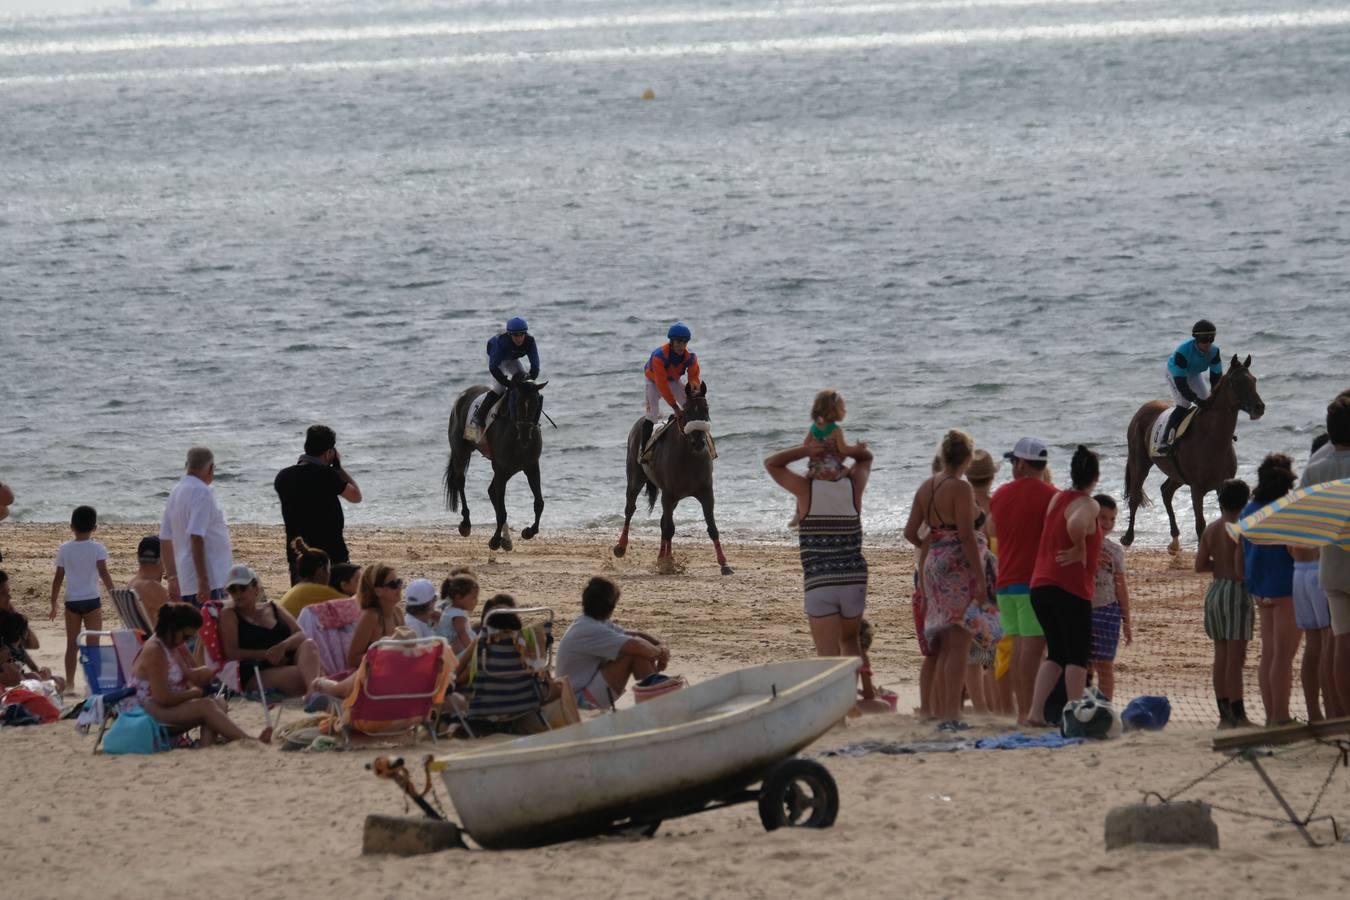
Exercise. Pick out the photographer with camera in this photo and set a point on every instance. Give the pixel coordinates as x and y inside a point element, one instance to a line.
<point>309,492</point>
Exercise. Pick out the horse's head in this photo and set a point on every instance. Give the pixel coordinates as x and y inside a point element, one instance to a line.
<point>696,423</point>
<point>525,404</point>
<point>1240,381</point>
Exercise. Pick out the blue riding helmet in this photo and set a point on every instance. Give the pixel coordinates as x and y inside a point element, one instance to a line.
<point>679,332</point>
<point>517,325</point>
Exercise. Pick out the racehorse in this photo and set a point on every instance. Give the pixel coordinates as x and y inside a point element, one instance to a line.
<point>513,444</point>
<point>680,465</point>
<point>1204,459</point>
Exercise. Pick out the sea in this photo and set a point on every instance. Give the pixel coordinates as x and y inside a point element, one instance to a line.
<point>221,222</point>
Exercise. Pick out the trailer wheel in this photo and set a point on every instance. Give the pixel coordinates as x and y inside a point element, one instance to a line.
<point>798,793</point>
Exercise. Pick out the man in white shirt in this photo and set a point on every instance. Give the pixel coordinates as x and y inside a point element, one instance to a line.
<point>194,541</point>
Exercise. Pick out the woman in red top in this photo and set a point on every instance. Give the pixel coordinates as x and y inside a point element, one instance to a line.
<point>1061,585</point>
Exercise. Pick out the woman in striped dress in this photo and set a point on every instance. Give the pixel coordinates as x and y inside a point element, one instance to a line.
<point>834,570</point>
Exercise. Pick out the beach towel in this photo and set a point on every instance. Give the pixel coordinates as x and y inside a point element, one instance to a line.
<point>33,696</point>
<point>1013,741</point>
<point>330,625</point>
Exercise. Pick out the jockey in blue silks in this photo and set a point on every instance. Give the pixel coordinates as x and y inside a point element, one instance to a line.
<point>505,352</point>
<point>1186,370</point>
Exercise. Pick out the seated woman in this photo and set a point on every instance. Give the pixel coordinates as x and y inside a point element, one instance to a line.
<point>17,638</point>
<point>378,595</point>
<point>273,653</point>
<point>168,686</point>
<point>599,657</point>
<point>345,578</point>
<point>314,569</point>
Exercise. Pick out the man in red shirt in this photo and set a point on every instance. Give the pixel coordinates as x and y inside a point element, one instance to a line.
<point>1018,508</point>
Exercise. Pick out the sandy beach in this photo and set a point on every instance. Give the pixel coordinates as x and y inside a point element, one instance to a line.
<point>248,819</point>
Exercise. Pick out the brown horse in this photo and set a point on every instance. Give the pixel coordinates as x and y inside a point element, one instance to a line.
<point>1204,459</point>
<point>681,465</point>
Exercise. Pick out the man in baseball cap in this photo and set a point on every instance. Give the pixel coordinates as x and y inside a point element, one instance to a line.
<point>148,583</point>
<point>1018,508</point>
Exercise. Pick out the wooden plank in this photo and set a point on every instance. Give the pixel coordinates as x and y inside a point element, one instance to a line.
<point>1285,734</point>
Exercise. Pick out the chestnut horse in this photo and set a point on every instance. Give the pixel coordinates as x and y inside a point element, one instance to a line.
<point>1204,459</point>
<point>680,465</point>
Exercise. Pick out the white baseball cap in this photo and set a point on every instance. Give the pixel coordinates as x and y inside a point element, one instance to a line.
<point>240,575</point>
<point>419,592</point>
<point>1029,448</point>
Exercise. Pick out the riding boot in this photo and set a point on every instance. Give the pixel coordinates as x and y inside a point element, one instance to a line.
<point>1173,423</point>
<point>1226,719</point>
<point>480,416</point>
<point>647,426</point>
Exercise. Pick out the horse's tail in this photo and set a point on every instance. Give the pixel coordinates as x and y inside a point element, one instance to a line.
<point>652,492</point>
<point>452,483</point>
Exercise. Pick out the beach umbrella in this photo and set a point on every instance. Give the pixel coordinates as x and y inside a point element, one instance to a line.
<point>1314,516</point>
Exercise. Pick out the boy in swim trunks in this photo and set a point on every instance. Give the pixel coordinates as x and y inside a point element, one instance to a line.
<point>1110,602</point>
<point>81,564</point>
<point>1229,611</point>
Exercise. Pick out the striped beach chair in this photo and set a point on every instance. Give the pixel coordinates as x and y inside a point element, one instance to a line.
<point>509,669</point>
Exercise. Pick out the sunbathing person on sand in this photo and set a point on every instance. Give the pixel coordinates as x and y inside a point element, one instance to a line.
<point>170,688</point>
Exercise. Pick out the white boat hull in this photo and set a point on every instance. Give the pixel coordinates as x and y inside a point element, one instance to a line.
<point>675,753</point>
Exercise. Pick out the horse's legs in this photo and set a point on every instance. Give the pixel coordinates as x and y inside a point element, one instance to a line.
<point>629,507</point>
<point>1198,507</point>
<point>464,526</point>
<point>1170,488</point>
<point>1136,472</point>
<point>497,494</point>
<point>706,501</point>
<point>667,526</point>
<point>532,475</point>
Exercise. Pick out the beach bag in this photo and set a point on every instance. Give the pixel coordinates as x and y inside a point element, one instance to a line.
<point>134,731</point>
<point>1092,716</point>
<point>1147,713</point>
<point>657,685</point>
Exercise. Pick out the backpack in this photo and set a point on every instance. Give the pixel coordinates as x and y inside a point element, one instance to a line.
<point>135,732</point>
<point>1091,716</point>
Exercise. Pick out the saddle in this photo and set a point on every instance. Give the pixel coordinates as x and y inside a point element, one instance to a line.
<point>668,425</point>
<point>1158,432</point>
<point>471,432</point>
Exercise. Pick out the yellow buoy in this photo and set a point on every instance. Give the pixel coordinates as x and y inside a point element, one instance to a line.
<point>649,94</point>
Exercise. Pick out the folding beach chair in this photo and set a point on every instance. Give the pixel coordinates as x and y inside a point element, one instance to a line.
<point>399,688</point>
<point>105,659</point>
<point>509,670</point>
<point>132,612</point>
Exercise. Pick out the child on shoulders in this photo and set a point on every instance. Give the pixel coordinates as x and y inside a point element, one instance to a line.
<point>81,563</point>
<point>825,440</point>
<point>1229,610</point>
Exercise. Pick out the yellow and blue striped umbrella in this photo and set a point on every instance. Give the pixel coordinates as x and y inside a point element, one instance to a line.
<point>1311,517</point>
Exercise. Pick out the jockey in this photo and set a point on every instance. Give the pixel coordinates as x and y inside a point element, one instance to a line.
<point>664,368</point>
<point>504,352</point>
<point>1185,376</point>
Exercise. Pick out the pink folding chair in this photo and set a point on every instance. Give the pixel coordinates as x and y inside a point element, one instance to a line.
<point>399,686</point>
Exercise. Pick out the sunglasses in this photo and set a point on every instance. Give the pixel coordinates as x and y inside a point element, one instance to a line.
<point>239,588</point>
<point>393,585</point>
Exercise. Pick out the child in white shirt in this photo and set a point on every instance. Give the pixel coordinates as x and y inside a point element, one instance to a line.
<point>81,563</point>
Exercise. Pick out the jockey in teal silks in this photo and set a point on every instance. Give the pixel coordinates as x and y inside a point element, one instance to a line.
<point>1186,370</point>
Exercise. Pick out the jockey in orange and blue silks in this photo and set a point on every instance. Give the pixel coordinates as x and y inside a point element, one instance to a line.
<point>1186,370</point>
<point>665,367</point>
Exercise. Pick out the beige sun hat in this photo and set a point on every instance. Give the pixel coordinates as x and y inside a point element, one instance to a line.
<point>982,466</point>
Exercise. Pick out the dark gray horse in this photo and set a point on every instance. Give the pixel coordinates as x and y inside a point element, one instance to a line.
<point>512,443</point>
<point>681,465</point>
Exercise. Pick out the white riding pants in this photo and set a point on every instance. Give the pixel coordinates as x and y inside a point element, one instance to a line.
<point>509,367</point>
<point>1199,384</point>
<point>654,398</point>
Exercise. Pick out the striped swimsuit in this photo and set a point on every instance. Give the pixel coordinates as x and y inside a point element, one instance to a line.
<point>833,567</point>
